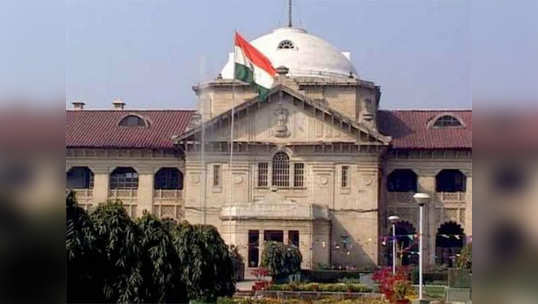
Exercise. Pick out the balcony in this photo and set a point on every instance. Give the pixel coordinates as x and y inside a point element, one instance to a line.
<point>168,203</point>
<point>128,197</point>
<point>400,197</point>
<point>451,197</point>
<point>84,197</point>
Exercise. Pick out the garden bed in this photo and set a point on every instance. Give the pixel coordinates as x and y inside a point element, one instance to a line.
<point>316,295</point>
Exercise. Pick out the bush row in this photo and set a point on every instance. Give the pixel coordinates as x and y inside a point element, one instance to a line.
<point>329,276</point>
<point>328,300</point>
<point>334,287</point>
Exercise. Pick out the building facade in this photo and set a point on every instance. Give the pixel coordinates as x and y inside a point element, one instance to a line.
<point>316,164</point>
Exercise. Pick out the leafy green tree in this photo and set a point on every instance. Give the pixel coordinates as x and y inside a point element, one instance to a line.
<point>281,259</point>
<point>465,258</point>
<point>118,237</point>
<point>84,260</point>
<point>207,266</point>
<point>161,268</point>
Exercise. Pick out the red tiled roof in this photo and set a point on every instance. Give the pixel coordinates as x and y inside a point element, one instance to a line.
<point>409,129</point>
<point>100,129</point>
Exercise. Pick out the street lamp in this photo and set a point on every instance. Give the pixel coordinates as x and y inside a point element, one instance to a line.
<point>421,199</point>
<point>394,219</point>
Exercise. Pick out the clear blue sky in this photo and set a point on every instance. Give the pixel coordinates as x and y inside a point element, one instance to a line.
<point>423,53</point>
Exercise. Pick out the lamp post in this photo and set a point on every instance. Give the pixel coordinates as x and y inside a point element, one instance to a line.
<point>421,199</point>
<point>394,219</point>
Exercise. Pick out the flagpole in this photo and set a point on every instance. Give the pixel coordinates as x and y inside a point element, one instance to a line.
<point>232,127</point>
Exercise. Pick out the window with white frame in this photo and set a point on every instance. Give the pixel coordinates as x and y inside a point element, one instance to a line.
<point>298,175</point>
<point>263,169</point>
<point>281,170</point>
<point>345,177</point>
<point>216,176</point>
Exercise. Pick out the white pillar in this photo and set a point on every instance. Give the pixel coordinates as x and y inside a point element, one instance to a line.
<point>145,190</point>
<point>100,184</point>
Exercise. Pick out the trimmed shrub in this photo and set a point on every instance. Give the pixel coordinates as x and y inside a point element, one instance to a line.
<point>334,287</point>
<point>281,259</point>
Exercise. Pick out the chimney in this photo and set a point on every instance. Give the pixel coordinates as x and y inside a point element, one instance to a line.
<point>78,105</point>
<point>118,104</point>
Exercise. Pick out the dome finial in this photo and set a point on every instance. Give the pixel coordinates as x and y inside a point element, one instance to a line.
<point>289,14</point>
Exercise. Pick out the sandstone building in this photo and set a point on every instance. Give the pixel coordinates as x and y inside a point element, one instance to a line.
<point>317,164</point>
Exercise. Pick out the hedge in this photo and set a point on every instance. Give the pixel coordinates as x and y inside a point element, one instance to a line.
<point>334,287</point>
<point>328,276</point>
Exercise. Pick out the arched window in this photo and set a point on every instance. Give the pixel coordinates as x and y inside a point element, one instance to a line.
<point>402,180</point>
<point>449,241</point>
<point>168,179</point>
<point>281,170</point>
<point>450,180</point>
<point>286,44</point>
<point>132,121</point>
<point>79,178</point>
<point>406,245</point>
<point>447,121</point>
<point>124,178</point>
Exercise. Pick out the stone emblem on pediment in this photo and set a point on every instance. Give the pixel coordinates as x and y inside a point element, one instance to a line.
<point>281,122</point>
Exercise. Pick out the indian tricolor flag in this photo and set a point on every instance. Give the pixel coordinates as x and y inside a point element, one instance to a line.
<point>252,66</point>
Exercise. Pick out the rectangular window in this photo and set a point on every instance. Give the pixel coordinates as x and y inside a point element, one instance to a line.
<point>298,175</point>
<point>253,250</point>
<point>273,236</point>
<point>216,175</point>
<point>262,174</point>
<point>293,238</point>
<point>345,176</point>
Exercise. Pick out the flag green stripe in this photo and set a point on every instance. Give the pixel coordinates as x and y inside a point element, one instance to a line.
<point>243,73</point>
<point>262,92</point>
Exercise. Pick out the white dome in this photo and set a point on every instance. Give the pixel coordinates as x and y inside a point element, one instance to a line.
<point>302,53</point>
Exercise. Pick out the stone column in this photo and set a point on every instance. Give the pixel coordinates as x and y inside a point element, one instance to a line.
<point>145,190</point>
<point>285,237</point>
<point>100,184</point>
<point>469,203</point>
<point>426,184</point>
<point>260,247</point>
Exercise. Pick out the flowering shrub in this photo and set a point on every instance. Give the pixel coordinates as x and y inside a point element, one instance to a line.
<point>389,283</point>
<point>260,274</point>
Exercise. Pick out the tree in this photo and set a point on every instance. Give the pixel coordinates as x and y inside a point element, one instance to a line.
<point>84,260</point>
<point>161,268</point>
<point>207,266</point>
<point>465,259</point>
<point>281,259</point>
<point>118,237</point>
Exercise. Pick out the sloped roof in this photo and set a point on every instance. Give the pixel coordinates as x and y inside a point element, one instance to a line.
<point>100,128</point>
<point>410,129</point>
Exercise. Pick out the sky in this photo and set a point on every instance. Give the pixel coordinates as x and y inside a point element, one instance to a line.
<point>423,53</point>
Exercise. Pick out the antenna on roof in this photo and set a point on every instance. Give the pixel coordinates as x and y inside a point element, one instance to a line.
<point>289,13</point>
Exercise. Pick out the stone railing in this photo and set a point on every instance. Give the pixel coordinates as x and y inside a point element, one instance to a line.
<point>400,197</point>
<point>122,193</point>
<point>165,194</point>
<point>84,197</point>
<point>128,197</point>
<point>451,196</point>
<point>168,203</point>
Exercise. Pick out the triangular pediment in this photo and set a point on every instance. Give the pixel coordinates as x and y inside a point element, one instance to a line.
<point>286,116</point>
